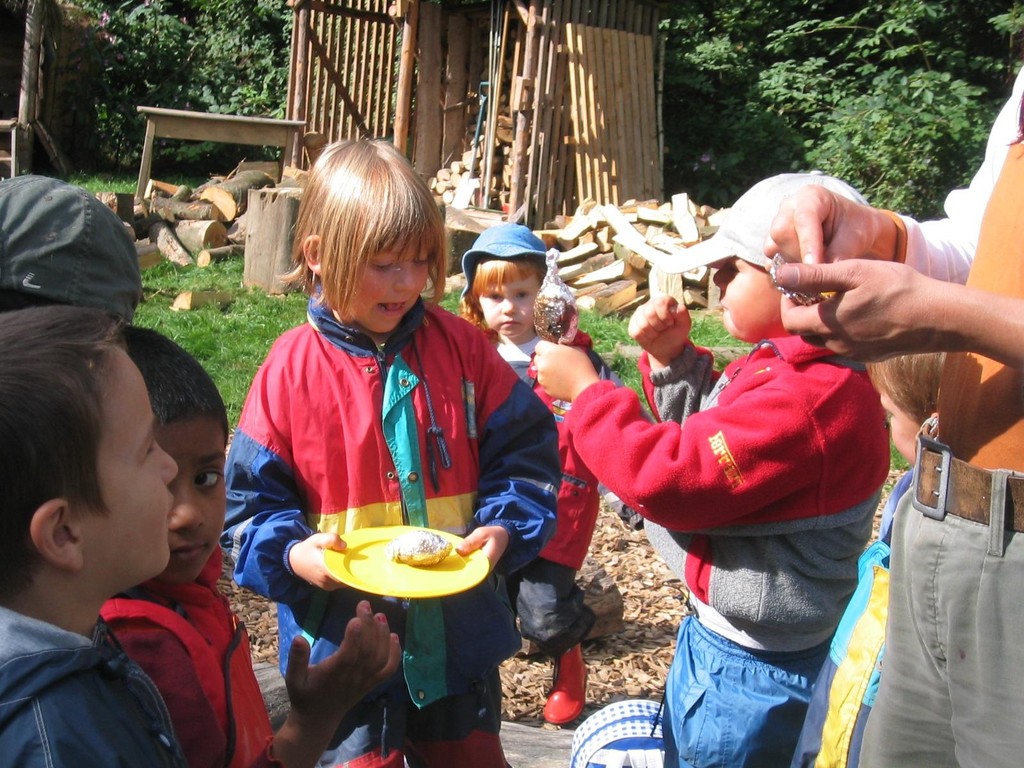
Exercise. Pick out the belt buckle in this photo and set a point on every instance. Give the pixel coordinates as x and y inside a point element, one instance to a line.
<point>938,511</point>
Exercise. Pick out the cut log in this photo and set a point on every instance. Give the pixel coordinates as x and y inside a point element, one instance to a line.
<point>549,236</point>
<point>149,255</point>
<point>573,271</point>
<point>270,167</point>
<point>200,235</point>
<point>156,188</point>
<point>629,236</point>
<point>173,210</point>
<point>298,175</point>
<point>628,255</point>
<point>642,295</point>
<point>582,221</point>
<point>608,300</point>
<point>237,230</point>
<point>268,243</point>
<point>577,254</point>
<point>231,195</point>
<point>683,219</point>
<point>121,203</point>
<point>659,216</point>
<point>162,233</point>
<point>209,256</point>
<point>188,300</point>
<point>183,192</point>
<point>617,270</point>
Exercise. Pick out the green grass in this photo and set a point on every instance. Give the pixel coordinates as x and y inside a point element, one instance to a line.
<point>230,343</point>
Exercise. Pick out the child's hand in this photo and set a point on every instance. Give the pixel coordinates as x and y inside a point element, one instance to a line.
<point>662,327</point>
<point>492,539</point>
<point>322,694</point>
<point>563,371</point>
<point>307,559</point>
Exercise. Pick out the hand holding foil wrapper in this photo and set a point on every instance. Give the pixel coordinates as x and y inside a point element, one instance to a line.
<point>803,299</point>
<point>555,315</point>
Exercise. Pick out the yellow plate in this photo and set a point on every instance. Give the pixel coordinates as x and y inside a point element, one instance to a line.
<point>366,566</point>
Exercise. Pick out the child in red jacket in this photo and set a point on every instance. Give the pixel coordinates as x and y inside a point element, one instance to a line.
<point>180,628</point>
<point>763,480</point>
<point>504,270</point>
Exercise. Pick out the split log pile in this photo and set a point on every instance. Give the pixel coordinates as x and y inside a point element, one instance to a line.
<point>198,227</point>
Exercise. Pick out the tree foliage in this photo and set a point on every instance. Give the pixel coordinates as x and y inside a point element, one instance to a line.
<point>222,56</point>
<point>895,96</point>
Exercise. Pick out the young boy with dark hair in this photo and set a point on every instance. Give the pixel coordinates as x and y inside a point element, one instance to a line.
<point>83,516</point>
<point>180,628</point>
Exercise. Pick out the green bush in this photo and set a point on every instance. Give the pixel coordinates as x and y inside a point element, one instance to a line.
<point>896,97</point>
<point>222,56</point>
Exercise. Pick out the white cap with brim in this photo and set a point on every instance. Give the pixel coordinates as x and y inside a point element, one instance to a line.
<point>745,225</point>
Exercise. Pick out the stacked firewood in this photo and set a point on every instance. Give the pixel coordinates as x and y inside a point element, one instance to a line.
<point>608,252</point>
<point>197,227</point>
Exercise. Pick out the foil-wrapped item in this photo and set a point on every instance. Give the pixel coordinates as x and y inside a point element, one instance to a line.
<point>419,548</point>
<point>804,299</point>
<point>554,311</point>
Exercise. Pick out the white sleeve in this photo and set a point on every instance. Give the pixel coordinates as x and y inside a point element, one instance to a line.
<point>944,248</point>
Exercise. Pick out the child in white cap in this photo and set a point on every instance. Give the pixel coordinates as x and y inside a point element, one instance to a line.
<point>765,477</point>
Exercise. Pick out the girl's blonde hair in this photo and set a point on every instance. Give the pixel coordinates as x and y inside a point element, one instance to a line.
<point>491,274</point>
<point>910,381</point>
<point>363,198</point>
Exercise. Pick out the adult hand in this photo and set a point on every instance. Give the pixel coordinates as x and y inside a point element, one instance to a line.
<point>661,326</point>
<point>307,559</point>
<point>492,539</point>
<point>879,310</point>
<point>563,371</point>
<point>815,225</point>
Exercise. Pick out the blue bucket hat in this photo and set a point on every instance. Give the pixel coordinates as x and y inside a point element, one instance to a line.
<point>502,241</point>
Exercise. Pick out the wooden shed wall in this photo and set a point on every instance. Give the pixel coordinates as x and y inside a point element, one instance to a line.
<point>567,89</point>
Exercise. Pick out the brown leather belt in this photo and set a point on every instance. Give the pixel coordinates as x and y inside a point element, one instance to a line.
<point>967,489</point>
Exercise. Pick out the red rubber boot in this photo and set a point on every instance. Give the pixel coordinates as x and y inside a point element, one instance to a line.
<point>569,692</point>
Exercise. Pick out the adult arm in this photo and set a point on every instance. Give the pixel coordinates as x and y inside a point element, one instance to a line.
<point>885,309</point>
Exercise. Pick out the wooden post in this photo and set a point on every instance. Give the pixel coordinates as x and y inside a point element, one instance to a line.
<point>298,74</point>
<point>428,129</point>
<point>270,216</point>
<point>523,107</point>
<point>403,108</point>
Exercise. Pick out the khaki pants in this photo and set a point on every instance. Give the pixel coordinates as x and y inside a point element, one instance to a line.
<point>952,690</point>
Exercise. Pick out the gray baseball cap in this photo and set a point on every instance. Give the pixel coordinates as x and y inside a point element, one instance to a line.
<point>60,243</point>
<point>745,225</point>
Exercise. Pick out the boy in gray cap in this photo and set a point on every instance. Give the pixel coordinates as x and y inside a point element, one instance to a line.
<point>60,245</point>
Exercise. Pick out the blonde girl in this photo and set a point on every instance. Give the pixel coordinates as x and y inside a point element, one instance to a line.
<point>384,409</point>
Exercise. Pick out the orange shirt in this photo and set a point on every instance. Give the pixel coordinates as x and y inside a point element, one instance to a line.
<point>981,402</point>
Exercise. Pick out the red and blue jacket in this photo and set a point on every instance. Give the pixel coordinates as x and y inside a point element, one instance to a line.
<point>767,477</point>
<point>337,434</point>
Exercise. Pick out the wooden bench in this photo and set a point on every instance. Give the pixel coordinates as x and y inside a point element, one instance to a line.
<point>205,126</point>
